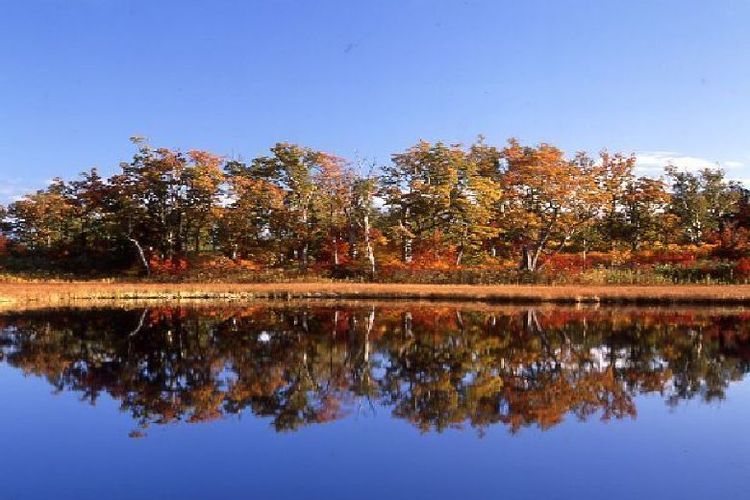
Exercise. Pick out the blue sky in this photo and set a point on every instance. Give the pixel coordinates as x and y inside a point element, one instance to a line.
<point>665,79</point>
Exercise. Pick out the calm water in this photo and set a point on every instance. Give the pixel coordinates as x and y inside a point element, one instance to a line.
<point>374,401</point>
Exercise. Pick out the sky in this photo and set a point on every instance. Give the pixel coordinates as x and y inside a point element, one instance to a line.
<point>666,79</point>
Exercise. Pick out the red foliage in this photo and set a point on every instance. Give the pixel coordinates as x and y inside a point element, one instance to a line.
<point>173,266</point>
<point>434,253</point>
<point>327,257</point>
<point>571,263</point>
<point>742,268</point>
<point>575,263</point>
<point>668,256</point>
<point>734,242</point>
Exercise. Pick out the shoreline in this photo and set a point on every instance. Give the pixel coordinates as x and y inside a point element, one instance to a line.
<point>62,293</point>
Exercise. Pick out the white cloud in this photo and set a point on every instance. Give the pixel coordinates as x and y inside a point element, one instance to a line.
<point>11,190</point>
<point>652,163</point>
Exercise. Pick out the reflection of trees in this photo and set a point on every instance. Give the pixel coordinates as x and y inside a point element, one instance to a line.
<point>435,367</point>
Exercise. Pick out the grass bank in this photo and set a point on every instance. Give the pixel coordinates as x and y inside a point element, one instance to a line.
<point>65,293</point>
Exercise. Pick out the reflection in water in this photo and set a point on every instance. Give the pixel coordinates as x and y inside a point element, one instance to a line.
<point>436,367</point>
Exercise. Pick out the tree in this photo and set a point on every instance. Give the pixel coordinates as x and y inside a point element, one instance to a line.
<point>165,200</point>
<point>645,204</point>
<point>43,220</point>
<point>89,195</point>
<point>440,192</point>
<point>291,168</point>
<point>416,189</point>
<point>153,200</point>
<point>334,182</point>
<point>735,236</point>
<point>474,198</point>
<point>702,202</point>
<point>203,179</point>
<point>548,199</point>
<point>252,221</point>
<point>359,215</point>
<point>615,176</point>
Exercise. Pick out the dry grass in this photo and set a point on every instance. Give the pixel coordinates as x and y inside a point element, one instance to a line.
<point>59,293</point>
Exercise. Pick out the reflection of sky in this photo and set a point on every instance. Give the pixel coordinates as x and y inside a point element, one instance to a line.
<point>56,446</point>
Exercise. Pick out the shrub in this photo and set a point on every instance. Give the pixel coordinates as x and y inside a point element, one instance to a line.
<point>742,269</point>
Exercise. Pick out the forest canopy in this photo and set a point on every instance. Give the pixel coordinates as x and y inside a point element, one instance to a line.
<point>437,212</point>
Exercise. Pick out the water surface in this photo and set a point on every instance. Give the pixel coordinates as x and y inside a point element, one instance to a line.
<point>374,401</point>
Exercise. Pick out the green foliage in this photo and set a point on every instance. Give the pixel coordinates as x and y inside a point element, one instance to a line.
<point>702,202</point>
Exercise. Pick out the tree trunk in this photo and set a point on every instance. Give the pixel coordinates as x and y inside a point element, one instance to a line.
<point>303,249</point>
<point>407,253</point>
<point>141,254</point>
<point>528,259</point>
<point>584,254</point>
<point>368,243</point>
<point>303,256</point>
<point>407,240</point>
<point>352,236</point>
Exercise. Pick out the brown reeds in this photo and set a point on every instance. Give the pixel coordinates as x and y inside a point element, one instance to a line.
<point>62,293</point>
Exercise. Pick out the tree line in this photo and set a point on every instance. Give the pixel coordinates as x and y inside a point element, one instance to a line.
<point>433,205</point>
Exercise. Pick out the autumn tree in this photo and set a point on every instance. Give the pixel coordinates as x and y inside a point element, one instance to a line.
<point>434,205</point>
<point>203,182</point>
<point>253,217</point>
<point>616,178</point>
<point>548,199</point>
<point>164,200</point>
<point>153,199</point>
<point>735,235</point>
<point>334,182</point>
<point>43,220</point>
<point>89,195</point>
<point>302,204</point>
<point>295,170</point>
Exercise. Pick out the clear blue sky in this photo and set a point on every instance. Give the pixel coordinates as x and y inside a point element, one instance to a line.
<point>78,77</point>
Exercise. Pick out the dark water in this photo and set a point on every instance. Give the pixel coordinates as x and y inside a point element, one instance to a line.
<point>374,401</point>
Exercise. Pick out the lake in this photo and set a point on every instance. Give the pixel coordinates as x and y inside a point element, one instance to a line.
<point>374,400</point>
